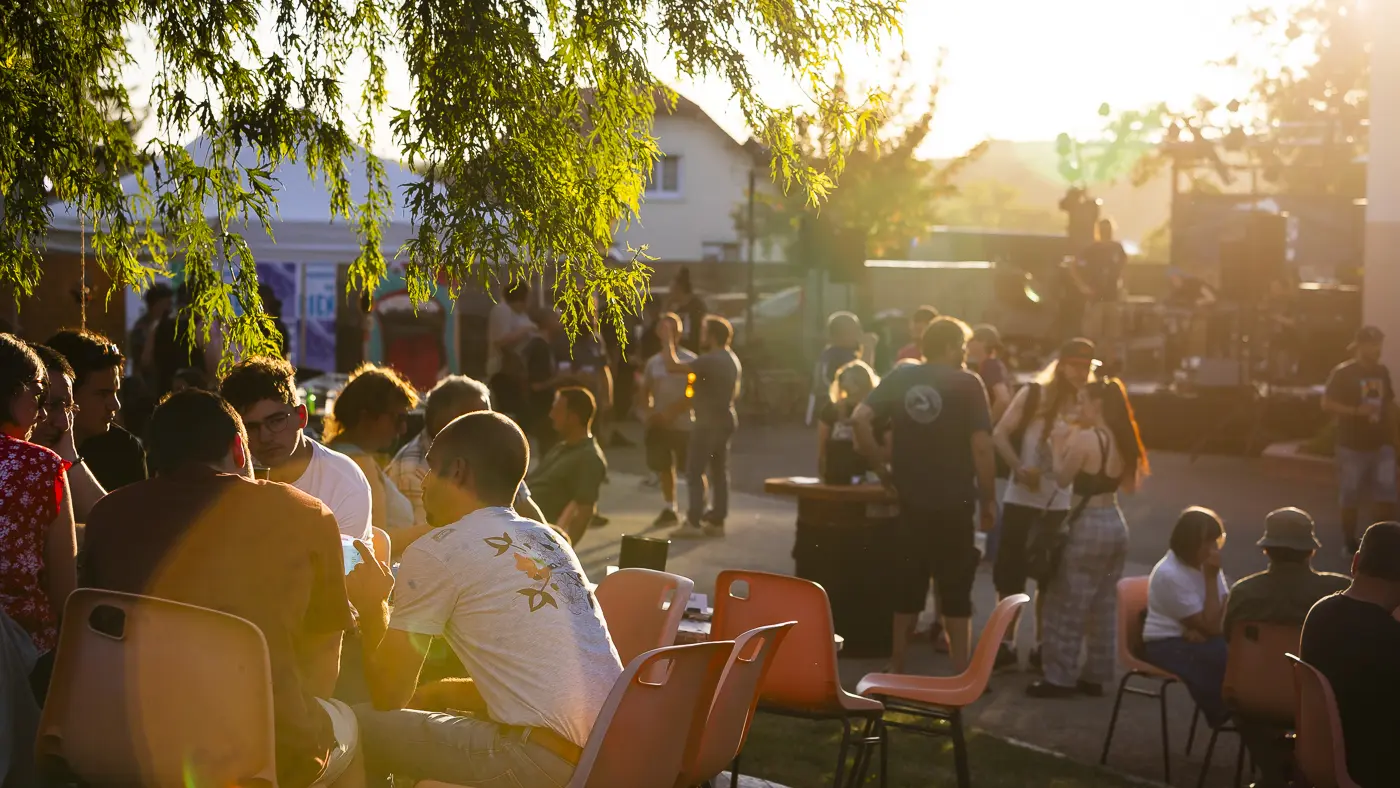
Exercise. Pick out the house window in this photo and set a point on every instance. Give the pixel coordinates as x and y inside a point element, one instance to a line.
<point>719,252</point>
<point>665,176</point>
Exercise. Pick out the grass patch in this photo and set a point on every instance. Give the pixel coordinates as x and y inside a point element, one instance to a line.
<point>802,754</point>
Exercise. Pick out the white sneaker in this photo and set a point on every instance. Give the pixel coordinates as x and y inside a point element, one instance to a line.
<point>688,531</point>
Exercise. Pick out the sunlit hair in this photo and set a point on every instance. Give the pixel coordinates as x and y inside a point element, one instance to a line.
<point>1118,416</point>
<point>1104,229</point>
<point>854,380</point>
<point>372,391</point>
<point>1195,527</point>
<point>1056,392</point>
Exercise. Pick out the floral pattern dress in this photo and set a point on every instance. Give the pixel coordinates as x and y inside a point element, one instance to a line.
<point>31,489</point>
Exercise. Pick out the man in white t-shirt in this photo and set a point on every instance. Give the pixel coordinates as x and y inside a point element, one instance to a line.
<point>507,326</point>
<point>512,601</point>
<point>263,391</point>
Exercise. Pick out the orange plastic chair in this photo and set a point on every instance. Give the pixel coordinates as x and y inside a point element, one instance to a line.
<point>944,697</point>
<point>643,609</point>
<point>381,545</point>
<point>1254,670</point>
<point>1320,748</point>
<point>1132,603</point>
<point>727,726</point>
<point>147,691</point>
<point>803,680</point>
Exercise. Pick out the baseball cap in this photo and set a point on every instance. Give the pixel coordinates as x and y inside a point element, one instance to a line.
<point>1079,349</point>
<point>1367,335</point>
<point>1290,528</point>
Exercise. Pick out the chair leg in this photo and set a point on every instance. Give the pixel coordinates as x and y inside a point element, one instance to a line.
<point>960,750</point>
<point>1205,765</point>
<point>1113,720</point>
<point>1239,763</point>
<point>1191,735</point>
<point>1166,738</point>
<point>874,727</point>
<point>884,753</point>
<point>841,755</point>
<point>734,771</point>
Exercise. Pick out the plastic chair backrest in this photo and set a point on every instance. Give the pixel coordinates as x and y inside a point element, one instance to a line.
<point>984,656</point>
<point>804,673</point>
<point>1132,603</point>
<point>151,692</point>
<point>1319,747</point>
<point>381,545</point>
<point>649,726</point>
<point>643,609</point>
<point>727,726</point>
<point>1255,669</point>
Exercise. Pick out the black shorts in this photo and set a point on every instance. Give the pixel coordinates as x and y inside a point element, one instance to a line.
<point>938,543</point>
<point>1011,570</point>
<point>666,449</point>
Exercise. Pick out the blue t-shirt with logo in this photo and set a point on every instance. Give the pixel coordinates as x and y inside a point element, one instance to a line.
<point>933,410</point>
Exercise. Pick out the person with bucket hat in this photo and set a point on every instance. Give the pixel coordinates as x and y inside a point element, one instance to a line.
<point>1359,393</point>
<point>1281,594</point>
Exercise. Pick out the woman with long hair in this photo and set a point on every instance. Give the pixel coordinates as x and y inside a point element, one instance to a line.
<point>838,460</point>
<point>370,415</point>
<point>1022,439</point>
<point>1098,457</point>
<point>37,541</point>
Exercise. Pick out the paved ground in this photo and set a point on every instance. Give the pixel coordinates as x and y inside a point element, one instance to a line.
<point>761,533</point>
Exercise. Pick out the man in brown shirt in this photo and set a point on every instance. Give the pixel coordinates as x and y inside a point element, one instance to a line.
<point>203,532</point>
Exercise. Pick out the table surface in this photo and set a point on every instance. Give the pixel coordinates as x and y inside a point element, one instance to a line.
<point>809,487</point>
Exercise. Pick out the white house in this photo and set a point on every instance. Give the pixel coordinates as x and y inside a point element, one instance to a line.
<point>688,213</point>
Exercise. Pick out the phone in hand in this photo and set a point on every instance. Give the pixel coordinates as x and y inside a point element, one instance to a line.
<point>351,554</point>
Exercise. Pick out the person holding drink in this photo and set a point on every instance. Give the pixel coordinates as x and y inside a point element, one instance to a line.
<point>1359,393</point>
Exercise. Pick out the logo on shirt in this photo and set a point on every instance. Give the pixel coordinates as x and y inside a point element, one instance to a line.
<point>547,567</point>
<point>923,404</point>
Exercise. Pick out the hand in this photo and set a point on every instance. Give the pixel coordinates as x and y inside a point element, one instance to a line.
<point>1192,636</point>
<point>370,583</point>
<point>987,516</point>
<point>1028,478</point>
<point>1369,408</point>
<point>1211,564</point>
<point>67,447</point>
<point>886,475</point>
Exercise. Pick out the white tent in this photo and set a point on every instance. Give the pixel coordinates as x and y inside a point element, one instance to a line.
<point>304,231</point>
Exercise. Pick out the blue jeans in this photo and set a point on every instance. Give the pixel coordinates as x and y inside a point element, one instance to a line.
<point>1200,666</point>
<point>708,459</point>
<point>1360,472</point>
<point>460,750</point>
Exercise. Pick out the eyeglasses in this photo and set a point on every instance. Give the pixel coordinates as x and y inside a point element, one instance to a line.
<point>274,425</point>
<point>68,407</point>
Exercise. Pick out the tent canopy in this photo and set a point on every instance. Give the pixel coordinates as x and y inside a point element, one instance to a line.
<point>304,230</point>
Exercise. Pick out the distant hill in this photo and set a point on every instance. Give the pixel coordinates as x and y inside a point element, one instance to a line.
<point>1029,170</point>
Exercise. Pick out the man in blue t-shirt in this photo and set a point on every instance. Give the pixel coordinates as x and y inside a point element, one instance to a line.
<point>942,465</point>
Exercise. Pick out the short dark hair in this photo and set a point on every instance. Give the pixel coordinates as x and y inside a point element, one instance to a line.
<point>926,314</point>
<point>19,366</point>
<point>87,352</point>
<point>1379,556</point>
<point>942,335</point>
<point>52,359</point>
<point>1195,527</point>
<point>195,378</point>
<point>493,449</point>
<point>1288,555</point>
<point>517,292</point>
<point>158,292</point>
<point>191,428</point>
<point>257,379</point>
<point>449,396</point>
<point>580,402</point>
<point>371,391</point>
<point>719,330</point>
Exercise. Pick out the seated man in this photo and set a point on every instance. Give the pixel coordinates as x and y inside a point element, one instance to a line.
<point>264,392</point>
<point>203,532</point>
<point>1282,594</point>
<point>453,396</point>
<point>567,480</point>
<point>1354,640</point>
<point>114,455</point>
<point>510,597</point>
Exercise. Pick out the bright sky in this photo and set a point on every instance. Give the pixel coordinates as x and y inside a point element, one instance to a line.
<point>1030,69</point>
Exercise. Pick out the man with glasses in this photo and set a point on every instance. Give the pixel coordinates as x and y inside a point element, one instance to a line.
<point>115,456</point>
<point>263,391</point>
<point>55,431</point>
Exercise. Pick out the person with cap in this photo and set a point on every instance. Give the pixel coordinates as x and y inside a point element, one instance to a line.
<point>1359,393</point>
<point>984,357</point>
<point>1353,639</point>
<point>1281,594</point>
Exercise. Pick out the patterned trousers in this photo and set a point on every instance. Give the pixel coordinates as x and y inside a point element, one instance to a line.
<point>1082,601</point>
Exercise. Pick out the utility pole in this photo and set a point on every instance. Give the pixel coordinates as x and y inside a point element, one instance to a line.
<point>752,231</point>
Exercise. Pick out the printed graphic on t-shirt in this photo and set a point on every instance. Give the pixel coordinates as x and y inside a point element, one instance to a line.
<point>1372,390</point>
<point>923,404</point>
<point>548,569</point>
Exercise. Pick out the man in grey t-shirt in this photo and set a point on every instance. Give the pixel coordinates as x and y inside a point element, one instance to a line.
<point>716,388</point>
